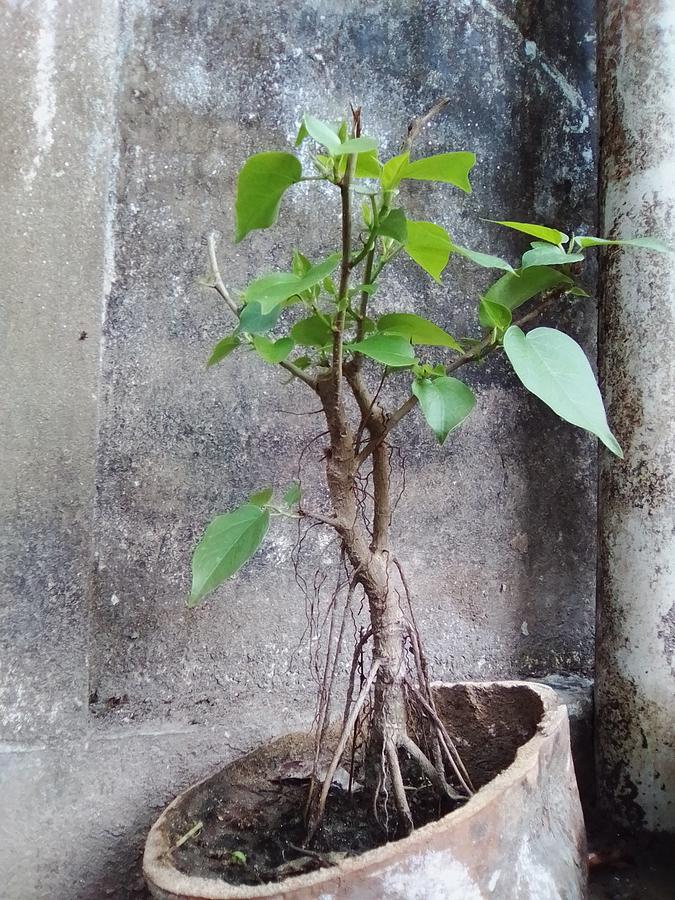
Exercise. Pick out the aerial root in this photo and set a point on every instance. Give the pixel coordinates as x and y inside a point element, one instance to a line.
<point>398,788</point>
<point>435,776</point>
<point>317,814</point>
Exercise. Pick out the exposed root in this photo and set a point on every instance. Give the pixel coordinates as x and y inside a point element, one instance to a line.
<point>398,788</point>
<point>446,741</point>
<point>435,776</point>
<point>356,662</point>
<point>317,814</point>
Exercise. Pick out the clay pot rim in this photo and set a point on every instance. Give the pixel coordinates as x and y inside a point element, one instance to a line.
<point>159,871</point>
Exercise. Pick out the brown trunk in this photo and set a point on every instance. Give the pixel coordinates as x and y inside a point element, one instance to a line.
<point>373,565</point>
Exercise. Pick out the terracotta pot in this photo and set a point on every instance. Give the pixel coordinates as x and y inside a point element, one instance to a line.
<point>520,837</point>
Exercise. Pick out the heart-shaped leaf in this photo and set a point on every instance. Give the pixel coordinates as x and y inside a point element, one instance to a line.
<point>417,330</point>
<point>223,349</point>
<point>261,498</point>
<point>228,542</point>
<point>323,134</point>
<point>271,290</point>
<point>261,184</point>
<point>554,367</point>
<point>492,315</point>
<point>445,403</point>
<point>394,225</point>
<point>272,351</point>
<point>549,256</point>
<point>512,290</point>
<point>252,320</point>
<point>449,168</point>
<point>429,245</point>
<point>389,349</point>
<point>313,331</point>
<point>392,171</point>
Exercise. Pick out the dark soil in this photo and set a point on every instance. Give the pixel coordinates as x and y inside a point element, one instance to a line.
<point>252,813</point>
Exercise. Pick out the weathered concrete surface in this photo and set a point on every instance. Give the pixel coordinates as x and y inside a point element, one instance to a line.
<point>179,443</point>
<point>521,836</point>
<point>57,125</point>
<point>635,684</point>
<point>163,103</point>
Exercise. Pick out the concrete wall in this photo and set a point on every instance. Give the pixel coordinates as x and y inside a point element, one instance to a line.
<point>126,125</point>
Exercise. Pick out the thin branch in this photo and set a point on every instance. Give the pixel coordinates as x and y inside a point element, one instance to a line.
<point>219,284</point>
<point>318,517</point>
<point>418,124</point>
<point>299,374</point>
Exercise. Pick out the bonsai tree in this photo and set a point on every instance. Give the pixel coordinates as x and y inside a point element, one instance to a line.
<point>323,323</point>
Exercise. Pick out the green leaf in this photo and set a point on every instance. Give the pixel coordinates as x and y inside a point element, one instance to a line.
<point>301,135</point>
<point>368,165</point>
<point>512,290</point>
<point>549,256</point>
<point>323,134</point>
<point>358,145</point>
<point>312,332</point>
<point>292,496</point>
<point>445,403</point>
<point>228,542</point>
<point>252,320</point>
<point>486,260</point>
<point>390,349</point>
<point>271,290</point>
<point>554,368</point>
<point>417,330</point>
<point>449,168</point>
<point>394,225</point>
<point>222,349</point>
<point>261,498</point>
<point>429,245</point>
<point>550,235</point>
<point>272,351</point>
<point>260,187</point>
<point>300,265</point>
<point>392,171</point>
<point>493,315</point>
<point>649,243</point>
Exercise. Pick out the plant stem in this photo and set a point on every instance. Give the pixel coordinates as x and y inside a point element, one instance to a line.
<point>343,298</point>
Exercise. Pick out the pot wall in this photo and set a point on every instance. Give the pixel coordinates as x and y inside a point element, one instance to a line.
<point>520,837</point>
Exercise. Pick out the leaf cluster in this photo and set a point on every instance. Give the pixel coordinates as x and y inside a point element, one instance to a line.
<point>310,316</point>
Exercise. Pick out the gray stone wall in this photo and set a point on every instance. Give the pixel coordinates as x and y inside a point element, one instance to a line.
<point>126,125</point>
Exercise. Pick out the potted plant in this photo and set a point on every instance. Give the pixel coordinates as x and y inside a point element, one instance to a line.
<point>403,753</point>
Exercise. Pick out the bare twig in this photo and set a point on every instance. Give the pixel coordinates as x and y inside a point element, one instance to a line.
<point>418,124</point>
<point>215,271</point>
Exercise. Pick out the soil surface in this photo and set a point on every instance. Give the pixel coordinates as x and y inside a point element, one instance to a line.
<point>245,825</point>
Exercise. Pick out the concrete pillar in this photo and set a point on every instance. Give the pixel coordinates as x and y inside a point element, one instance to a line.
<point>635,679</point>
